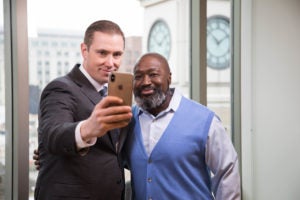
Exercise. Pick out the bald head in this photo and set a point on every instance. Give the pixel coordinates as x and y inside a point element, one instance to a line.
<point>154,57</point>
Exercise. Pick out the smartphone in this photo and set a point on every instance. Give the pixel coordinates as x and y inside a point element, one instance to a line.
<point>120,84</point>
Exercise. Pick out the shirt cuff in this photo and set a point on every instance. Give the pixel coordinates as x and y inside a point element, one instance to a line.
<point>79,142</point>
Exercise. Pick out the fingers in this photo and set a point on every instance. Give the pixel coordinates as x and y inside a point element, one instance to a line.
<point>35,156</point>
<point>35,152</point>
<point>36,159</point>
<point>111,110</point>
<point>110,101</point>
<point>113,114</point>
<point>121,124</point>
<point>107,115</point>
<point>37,164</point>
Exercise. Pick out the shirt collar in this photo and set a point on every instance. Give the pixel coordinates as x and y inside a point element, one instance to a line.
<point>96,85</point>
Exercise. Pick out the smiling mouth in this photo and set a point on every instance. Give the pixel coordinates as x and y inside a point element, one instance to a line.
<point>147,92</point>
<point>106,72</point>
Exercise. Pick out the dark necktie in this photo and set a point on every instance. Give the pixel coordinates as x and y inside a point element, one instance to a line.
<point>103,91</point>
<point>114,134</point>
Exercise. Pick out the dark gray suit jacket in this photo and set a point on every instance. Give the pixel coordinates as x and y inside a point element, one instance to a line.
<point>64,172</point>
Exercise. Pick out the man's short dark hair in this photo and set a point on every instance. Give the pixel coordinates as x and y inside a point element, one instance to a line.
<point>104,26</point>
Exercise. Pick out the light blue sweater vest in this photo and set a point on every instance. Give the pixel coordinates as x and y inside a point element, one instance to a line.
<point>176,168</point>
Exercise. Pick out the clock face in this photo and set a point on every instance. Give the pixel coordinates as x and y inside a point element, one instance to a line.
<point>159,39</point>
<point>218,42</point>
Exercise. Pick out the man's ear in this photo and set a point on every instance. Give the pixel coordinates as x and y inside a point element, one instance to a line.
<point>84,50</point>
<point>170,78</point>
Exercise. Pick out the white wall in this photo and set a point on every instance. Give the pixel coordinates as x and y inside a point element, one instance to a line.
<point>271,99</point>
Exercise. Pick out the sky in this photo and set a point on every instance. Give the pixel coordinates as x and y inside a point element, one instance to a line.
<point>78,14</point>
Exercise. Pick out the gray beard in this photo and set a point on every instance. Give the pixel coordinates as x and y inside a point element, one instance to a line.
<point>151,102</point>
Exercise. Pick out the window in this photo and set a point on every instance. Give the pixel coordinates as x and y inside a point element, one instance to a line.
<point>62,35</point>
<point>218,83</point>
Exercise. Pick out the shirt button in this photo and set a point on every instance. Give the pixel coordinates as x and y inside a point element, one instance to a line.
<point>150,198</point>
<point>149,160</point>
<point>149,180</point>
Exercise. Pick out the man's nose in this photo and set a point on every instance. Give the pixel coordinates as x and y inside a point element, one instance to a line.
<point>109,61</point>
<point>146,80</point>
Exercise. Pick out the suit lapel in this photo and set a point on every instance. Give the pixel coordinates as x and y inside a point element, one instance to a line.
<point>85,86</point>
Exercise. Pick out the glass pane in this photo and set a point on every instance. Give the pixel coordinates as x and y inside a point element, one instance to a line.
<point>54,41</point>
<point>218,60</point>
<point>54,46</point>
<point>2,106</point>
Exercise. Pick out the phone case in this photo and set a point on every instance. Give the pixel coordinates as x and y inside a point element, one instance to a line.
<point>120,84</point>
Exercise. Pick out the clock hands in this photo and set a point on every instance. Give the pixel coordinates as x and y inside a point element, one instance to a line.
<point>215,39</point>
<point>218,41</point>
<point>221,40</point>
<point>162,39</point>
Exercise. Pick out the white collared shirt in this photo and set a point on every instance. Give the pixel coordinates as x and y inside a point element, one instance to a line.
<point>96,85</point>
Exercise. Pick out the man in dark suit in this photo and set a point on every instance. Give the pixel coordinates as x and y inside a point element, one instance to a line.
<point>79,157</point>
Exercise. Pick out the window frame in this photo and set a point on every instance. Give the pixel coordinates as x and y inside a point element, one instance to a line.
<point>16,114</point>
<point>199,64</point>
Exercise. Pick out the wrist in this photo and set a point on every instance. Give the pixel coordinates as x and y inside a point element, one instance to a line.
<point>82,141</point>
<point>84,132</point>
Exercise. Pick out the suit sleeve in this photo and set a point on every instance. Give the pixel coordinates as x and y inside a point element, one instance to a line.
<point>57,119</point>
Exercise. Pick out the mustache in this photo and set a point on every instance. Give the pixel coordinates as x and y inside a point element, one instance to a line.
<point>140,89</point>
<point>150,102</point>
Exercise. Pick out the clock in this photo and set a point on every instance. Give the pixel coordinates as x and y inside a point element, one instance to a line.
<point>159,39</point>
<point>218,42</point>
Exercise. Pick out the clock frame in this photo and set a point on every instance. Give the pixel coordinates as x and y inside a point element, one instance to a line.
<point>159,39</point>
<point>218,42</point>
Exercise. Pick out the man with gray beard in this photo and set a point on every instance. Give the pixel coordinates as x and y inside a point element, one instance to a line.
<point>176,148</point>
